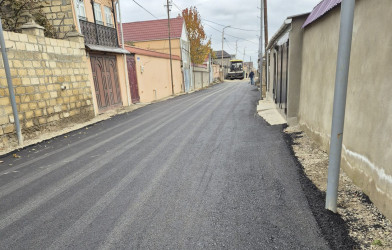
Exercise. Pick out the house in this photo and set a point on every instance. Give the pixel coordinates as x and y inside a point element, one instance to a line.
<point>313,47</point>
<point>248,67</point>
<point>226,60</point>
<point>95,20</point>
<point>284,52</point>
<point>154,35</point>
<point>152,77</point>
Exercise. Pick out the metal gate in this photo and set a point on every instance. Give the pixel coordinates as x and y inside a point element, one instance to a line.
<point>131,65</point>
<point>187,80</point>
<point>105,75</point>
<point>281,76</point>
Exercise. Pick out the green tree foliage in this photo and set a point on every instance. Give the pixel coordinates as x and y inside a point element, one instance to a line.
<point>13,15</point>
<point>200,46</point>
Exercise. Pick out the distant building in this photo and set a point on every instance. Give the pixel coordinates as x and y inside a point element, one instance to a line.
<point>226,60</point>
<point>154,35</point>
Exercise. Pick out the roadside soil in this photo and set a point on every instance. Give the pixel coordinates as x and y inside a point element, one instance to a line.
<point>358,223</point>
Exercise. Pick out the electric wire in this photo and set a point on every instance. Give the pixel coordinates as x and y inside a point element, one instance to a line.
<point>230,26</point>
<point>145,9</point>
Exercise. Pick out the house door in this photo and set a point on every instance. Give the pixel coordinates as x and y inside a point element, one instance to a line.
<point>105,75</point>
<point>131,65</point>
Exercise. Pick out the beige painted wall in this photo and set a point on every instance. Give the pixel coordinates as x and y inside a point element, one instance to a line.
<point>89,9</point>
<point>155,80</point>
<point>295,68</point>
<point>161,46</point>
<point>367,150</point>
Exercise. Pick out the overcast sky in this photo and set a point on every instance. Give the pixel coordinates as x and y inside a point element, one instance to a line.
<point>237,13</point>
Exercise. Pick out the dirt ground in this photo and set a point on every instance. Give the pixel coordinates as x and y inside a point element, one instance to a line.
<point>358,223</point>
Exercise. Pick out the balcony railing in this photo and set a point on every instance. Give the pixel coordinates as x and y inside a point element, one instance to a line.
<point>98,34</point>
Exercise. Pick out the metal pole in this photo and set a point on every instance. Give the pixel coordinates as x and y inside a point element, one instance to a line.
<point>10,87</point>
<point>95,22</point>
<point>267,57</point>
<point>339,102</point>
<point>265,25</point>
<point>236,49</point>
<point>125,56</point>
<point>170,50</point>
<point>223,38</point>
<point>261,49</point>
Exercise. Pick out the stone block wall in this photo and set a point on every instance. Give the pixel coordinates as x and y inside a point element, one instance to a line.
<point>51,83</point>
<point>59,14</point>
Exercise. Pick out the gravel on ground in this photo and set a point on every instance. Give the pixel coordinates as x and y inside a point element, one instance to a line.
<point>358,223</point>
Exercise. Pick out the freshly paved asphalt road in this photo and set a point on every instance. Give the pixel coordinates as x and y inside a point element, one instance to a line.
<point>194,172</point>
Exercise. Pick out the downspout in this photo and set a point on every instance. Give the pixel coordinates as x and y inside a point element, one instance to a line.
<point>125,56</point>
<point>115,22</point>
<point>95,22</point>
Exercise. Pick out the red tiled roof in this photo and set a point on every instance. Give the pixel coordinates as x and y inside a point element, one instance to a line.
<point>322,8</point>
<point>152,30</point>
<point>145,52</point>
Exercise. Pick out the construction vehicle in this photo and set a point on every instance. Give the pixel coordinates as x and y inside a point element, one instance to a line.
<point>236,70</point>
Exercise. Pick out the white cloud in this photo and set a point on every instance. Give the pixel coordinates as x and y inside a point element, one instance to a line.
<point>237,13</point>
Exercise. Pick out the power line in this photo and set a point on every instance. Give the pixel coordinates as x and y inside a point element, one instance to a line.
<point>226,25</point>
<point>176,6</point>
<point>145,9</point>
<point>229,35</point>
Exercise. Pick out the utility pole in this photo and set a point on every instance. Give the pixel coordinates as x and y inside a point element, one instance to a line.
<point>170,50</point>
<point>236,48</point>
<point>243,59</point>
<point>261,49</point>
<point>339,102</point>
<point>265,24</point>
<point>10,87</point>
<point>223,38</point>
<point>265,45</point>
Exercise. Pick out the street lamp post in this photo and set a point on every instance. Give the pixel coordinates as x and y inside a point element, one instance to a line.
<point>261,49</point>
<point>223,38</point>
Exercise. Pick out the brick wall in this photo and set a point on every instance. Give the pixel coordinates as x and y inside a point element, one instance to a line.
<point>40,67</point>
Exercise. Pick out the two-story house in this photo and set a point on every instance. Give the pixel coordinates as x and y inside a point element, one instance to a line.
<point>96,21</point>
<point>154,35</point>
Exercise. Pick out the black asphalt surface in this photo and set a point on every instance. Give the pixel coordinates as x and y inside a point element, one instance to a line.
<point>200,171</point>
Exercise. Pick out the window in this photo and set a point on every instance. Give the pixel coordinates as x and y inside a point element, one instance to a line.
<point>108,17</point>
<point>81,9</point>
<point>98,13</point>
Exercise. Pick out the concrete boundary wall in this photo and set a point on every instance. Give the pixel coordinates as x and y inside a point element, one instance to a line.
<point>367,144</point>
<point>51,84</point>
<point>154,78</point>
<point>201,76</point>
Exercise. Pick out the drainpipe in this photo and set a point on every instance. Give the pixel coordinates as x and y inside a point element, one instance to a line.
<point>125,57</point>
<point>10,87</point>
<point>339,102</point>
<point>95,22</point>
